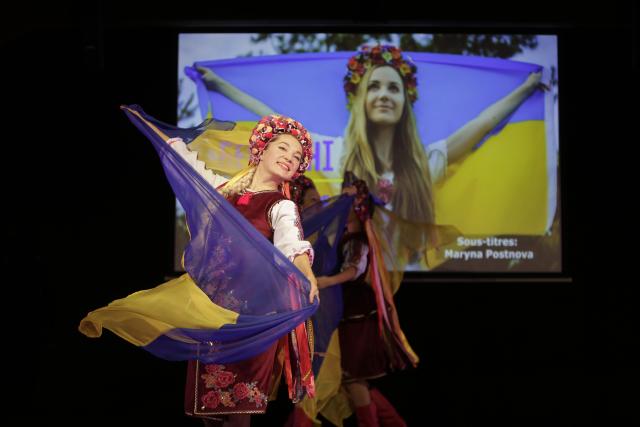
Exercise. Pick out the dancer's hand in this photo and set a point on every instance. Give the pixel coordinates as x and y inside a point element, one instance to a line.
<point>314,293</point>
<point>302,262</point>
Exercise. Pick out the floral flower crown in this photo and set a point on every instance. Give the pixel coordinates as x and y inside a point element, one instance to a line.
<point>270,126</point>
<point>368,57</point>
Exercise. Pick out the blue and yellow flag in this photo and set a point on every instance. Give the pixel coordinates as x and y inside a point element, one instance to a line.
<point>240,294</point>
<point>507,185</point>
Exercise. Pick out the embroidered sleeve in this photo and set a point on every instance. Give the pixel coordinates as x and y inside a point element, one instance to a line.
<point>191,157</point>
<point>287,230</point>
<point>355,255</point>
<point>437,157</point>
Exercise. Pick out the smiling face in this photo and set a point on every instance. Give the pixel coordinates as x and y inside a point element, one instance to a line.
<point>385,98</point>
<point>282,156</point>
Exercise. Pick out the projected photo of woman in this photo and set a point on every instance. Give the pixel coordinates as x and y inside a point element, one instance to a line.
<point>382,144</point>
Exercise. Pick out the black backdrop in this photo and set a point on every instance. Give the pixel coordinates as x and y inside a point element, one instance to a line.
<point>88,217</point>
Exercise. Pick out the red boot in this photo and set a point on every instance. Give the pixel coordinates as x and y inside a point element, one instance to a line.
<point>366,415</point>
<point>387,414</point>
<point>298,419</point>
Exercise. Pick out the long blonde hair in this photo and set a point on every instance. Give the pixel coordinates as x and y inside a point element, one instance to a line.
<point>413,196</point>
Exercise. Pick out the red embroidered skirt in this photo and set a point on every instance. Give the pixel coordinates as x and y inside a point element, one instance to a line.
<point>234,388</point>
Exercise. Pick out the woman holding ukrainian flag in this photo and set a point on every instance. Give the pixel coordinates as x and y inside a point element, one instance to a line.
<point>238,314</point>
<point>382,145</point>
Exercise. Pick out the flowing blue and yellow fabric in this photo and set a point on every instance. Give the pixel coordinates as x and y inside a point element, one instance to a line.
<point>506,185</point>
<point>239,294</point>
